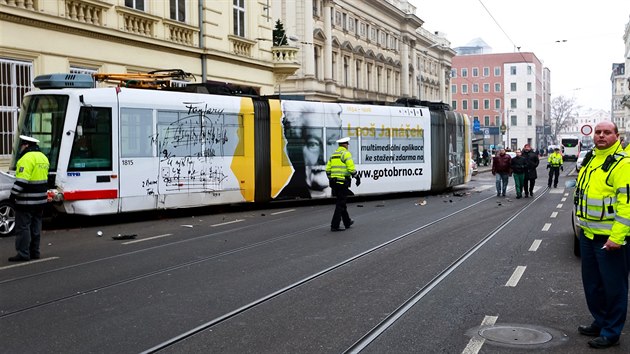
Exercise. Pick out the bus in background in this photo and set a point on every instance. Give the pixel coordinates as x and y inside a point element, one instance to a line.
<point>570,148</point>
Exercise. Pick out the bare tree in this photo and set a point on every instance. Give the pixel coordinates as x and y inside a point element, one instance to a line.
<point>563,113</point>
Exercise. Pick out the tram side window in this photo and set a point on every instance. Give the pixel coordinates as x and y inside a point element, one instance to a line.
<point>179,134</point>
<point>136,132</point>
<point>92,146</point>
<point>233,134</point>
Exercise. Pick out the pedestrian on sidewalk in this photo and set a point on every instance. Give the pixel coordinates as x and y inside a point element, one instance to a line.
<point>502,170</point>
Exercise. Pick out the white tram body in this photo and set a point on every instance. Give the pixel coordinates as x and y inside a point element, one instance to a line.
<point>115,150</point>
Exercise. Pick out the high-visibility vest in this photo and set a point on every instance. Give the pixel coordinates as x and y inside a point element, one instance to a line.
<point>602,195</point>
<point>555,159</point>
<point>340,165</point>
<point>31,180</point>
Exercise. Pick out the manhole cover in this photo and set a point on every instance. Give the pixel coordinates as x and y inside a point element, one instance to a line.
<point>515,335</point>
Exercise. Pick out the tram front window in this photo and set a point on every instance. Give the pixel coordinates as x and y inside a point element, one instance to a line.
<point>92,145</point>
<point>42,117</point>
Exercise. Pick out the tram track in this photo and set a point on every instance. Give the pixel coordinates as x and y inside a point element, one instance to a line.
<point>260,300</point>
<point>156,272</point>
<point>375,332</point>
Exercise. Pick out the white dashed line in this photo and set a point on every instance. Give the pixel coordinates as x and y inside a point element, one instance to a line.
<point>146,239</point>
<point>535,245</point>
<point>227,223</point>
<point>476,342</point>
<point>21,264</point>
<point>559,206</point>
<point>516,276</point>
<point>546,227</point>
<point>554,214</point>
<point>282,212</point>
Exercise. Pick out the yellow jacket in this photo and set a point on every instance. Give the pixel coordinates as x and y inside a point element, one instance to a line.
<point>340,165</point>
<point>602,194</point>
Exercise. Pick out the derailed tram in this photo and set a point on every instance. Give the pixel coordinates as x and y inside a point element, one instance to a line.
<point>118,149</point>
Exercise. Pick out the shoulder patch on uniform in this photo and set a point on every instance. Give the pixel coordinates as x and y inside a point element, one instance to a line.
<point>22,169</point>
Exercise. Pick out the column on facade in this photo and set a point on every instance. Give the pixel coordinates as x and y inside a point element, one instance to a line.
<point>414,63</point>
<point>404,71</point>
<point>328,78</point>
<point>308,62</point>
<point>442,88</point>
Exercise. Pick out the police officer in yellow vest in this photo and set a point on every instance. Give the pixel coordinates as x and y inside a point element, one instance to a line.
<point>29,195</point>
<point>602,201</point>
<point>340,170</point>
<point>554,165</point>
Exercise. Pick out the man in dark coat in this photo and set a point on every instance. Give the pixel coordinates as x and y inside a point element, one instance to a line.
<point>502,170</point>
<point>530,174</point>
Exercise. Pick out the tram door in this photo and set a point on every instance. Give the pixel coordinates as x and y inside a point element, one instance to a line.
<point>138,166</point>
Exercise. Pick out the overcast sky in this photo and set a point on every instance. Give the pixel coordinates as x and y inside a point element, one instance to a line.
<point>590,35</point>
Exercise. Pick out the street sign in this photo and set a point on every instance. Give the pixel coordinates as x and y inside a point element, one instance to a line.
<point>586,129</point>
<point>476,126</point>
<point>503,128</point>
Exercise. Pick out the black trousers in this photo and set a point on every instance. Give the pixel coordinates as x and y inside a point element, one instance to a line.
<point>28,229</point>
<point>554,172</point>
<point>528,185</point>
<point>341,210</point>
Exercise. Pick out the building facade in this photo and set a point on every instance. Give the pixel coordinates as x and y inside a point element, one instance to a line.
<point>623,122</point>
<point>506,94</point>
<point>370,50</point>
<point>619,90</point>
<point>347,50</point>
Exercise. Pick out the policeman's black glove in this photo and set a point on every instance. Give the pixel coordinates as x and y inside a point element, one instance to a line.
<point>561,168</point>
<point>331,181</point>
<point>358,178</point>
<point>548,166</point>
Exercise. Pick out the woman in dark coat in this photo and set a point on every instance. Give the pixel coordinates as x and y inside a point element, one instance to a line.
<point>519,167</point>
<point>530,175</point>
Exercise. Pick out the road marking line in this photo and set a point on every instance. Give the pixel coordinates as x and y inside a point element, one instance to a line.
<point>563,199</point>
<point>476,342</point>
<point>146,239</point>
<point>227,223</point>
<point>21,264</point>
<point>484,187</point>
<point>516,276</point>
<point>554,214</point>
<point>535,245</point>
<point>559,206</point>
<point>282,212</point>
<point>546,227</point>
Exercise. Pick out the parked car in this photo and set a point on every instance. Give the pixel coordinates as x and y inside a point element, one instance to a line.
<point>580,158</point>
<point>7,211</point>
<point>474,169</point>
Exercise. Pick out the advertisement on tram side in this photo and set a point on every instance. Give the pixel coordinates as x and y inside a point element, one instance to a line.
<point>390,146</point>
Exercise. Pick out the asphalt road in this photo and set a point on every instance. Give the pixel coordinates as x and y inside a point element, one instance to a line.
<point>460,272</point>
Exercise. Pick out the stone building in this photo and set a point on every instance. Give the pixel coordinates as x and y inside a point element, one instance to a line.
<point>338,50</point>
<point>364,50</point>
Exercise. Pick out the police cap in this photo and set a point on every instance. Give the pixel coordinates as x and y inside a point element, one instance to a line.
<point>28,140</point>
<point>343,140</point>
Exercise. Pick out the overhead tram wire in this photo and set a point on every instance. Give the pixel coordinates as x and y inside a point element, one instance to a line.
<point>502,30</point>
